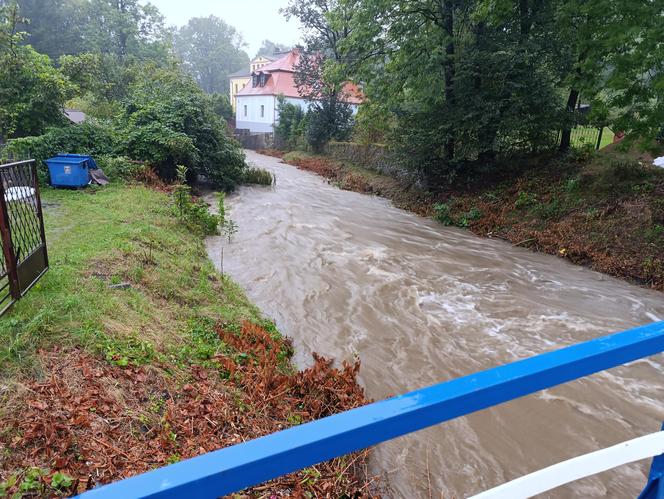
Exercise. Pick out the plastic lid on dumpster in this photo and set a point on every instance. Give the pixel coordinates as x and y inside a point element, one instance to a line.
<point>65,160</point>
<point>92,164</point>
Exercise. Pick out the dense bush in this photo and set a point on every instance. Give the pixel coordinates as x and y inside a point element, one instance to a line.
<point>120,167</point>
<point>94,138</point>
<point>258,176</point>
<point>222,106</point>
<point>32,91</point>
<point>194,213</point>
<point>167,120</point>
<point>328,121</point>
<point>323,122</point>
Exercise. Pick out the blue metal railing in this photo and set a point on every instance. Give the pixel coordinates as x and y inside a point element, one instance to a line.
<point>235,468</point>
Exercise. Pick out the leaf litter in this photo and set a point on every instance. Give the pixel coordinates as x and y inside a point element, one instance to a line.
<point>87,422</point>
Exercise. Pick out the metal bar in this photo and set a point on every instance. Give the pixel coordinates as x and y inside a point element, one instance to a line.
<point>234,468</point>
<point>654,489</point>
<point>15,163</point>
<point>40,213</point>
<point>599,138</point>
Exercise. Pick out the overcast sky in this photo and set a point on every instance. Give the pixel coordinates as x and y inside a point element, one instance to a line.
<point>255,19</point>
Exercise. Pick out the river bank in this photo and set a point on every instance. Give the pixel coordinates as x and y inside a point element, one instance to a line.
<point>605,212</point>
<point>133,352</point>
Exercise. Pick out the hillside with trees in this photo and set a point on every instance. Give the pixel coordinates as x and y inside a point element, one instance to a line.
<point>454,84</point>
<point>147,97</point>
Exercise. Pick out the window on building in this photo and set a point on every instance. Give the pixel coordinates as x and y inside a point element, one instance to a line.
<point>262,111</point>
<point>245,111</point>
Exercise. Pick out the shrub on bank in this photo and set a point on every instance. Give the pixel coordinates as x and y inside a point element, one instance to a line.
<point>168,121</point>
<point>258,176</point>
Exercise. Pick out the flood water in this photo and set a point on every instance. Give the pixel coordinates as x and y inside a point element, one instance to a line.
<point>346,274</point>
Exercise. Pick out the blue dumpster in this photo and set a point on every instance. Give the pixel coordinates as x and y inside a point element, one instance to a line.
<point>69,170</point>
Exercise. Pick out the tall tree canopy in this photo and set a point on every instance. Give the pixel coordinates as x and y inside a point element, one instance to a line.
<point>211,50</point>
<point>32,91</point>
<point>468,80</point>
<point>321,73</point>
<point>120,27</point>
<point>269,48</point>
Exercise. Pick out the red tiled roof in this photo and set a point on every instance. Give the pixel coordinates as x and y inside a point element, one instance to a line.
<point>285,63</point>
<point>281,81</point>
<point>277,83</point>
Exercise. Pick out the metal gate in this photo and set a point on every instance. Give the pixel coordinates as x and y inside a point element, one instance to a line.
<point>21,232</point>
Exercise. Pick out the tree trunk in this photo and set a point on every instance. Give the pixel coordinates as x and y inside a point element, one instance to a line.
<point>447,11</point>
<point>486,134</point>
<point>566,137</point>
<point>524,19</point>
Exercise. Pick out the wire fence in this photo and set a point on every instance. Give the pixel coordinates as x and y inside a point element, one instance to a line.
<point>586,136</point>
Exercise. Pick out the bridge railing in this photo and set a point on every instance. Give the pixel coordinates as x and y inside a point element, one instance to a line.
<point>234,468</point>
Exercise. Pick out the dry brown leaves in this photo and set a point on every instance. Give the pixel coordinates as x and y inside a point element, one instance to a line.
<point>99,423</point>
<point>275,153</point>
<point>321,166</point>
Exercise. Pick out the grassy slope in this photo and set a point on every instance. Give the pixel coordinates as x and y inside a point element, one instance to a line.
<point>605,212</point>
<point>113,235</point>
<point>97,383</point>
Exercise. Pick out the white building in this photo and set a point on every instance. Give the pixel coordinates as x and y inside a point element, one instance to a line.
<point>256,104</point>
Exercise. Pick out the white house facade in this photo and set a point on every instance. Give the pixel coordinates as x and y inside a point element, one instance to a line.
<point>256,104</point>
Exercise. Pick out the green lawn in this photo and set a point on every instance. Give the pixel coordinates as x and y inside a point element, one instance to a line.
<point>581,135</point>
<point>100,237</point>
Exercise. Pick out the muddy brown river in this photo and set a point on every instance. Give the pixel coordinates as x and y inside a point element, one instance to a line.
<point>346,274</point>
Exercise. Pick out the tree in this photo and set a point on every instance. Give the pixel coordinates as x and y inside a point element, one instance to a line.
<point>462,81</point>
<point>125,28</point>
<point>32,91</point>
<point>290,127</point>
<point>321,69</point>
<point>55,27</point>
<point>211,49</point>
<point>269,48</point>
<point>222,106</point>
<point>617,63</point>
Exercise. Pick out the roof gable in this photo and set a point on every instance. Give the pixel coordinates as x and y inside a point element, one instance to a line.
<point>279,79</point>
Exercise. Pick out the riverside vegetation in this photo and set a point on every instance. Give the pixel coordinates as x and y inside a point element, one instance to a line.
<point>476,103</point>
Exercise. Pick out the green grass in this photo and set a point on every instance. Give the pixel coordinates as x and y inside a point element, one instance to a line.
<point>296,155</point>
<point>583,135</point>
<point>100,237</point>
<point>258,176</point>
